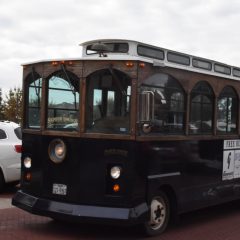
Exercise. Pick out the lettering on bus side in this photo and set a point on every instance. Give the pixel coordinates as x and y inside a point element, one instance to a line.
<point>231,144</point>
<point>113,151</point>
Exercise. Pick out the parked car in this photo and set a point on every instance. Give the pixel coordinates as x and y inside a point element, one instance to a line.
<point>10,152</point>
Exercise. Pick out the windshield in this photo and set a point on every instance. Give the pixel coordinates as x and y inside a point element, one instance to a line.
<point>108,102</point>
<point>34,99</point>
<point>63,101</point>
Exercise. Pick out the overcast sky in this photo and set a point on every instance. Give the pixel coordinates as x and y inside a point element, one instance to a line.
<point>44,29</point>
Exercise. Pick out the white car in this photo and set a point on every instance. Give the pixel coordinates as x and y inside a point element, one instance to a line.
<point>10,152</point>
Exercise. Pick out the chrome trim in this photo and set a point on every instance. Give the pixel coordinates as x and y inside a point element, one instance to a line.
<point>164,175</point>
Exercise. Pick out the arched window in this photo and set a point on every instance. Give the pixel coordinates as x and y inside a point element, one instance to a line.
<point>168,103</point>
<point>227,111</point>
<point>201,112</point>
<point>34,92</point>
<point>108,101</point>
<point>63,101</point>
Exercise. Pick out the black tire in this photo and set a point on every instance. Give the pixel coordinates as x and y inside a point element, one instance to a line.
<point>159,215</point>
<point>2,181</point>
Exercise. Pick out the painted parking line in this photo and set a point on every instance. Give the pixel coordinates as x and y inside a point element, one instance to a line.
<point>5,203</point>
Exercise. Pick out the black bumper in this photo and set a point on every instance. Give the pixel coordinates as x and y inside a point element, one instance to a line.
<point>81,213</point>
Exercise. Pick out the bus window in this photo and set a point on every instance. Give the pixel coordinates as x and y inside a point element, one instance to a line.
<point>112,47</point>
<point>168,103</point>
<point>201,112</point>
<point>108,101</point>
<point>34,100</point>
<point>63,101</point>
<point>227,111</point>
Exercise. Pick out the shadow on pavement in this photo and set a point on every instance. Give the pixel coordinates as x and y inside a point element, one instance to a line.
<point>9,190</point>
<point>189,225</point>
<point>208,223</point>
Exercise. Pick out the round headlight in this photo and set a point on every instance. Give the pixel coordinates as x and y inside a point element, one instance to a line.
<point>57,150</point>
<point>115,172</point>
<point>27,162</point>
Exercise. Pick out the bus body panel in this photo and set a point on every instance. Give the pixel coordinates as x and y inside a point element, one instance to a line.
<point>191,170</point>
<point>85,171</point>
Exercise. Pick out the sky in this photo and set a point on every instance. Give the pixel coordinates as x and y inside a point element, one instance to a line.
<point>32,30</point>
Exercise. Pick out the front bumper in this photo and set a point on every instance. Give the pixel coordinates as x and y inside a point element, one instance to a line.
<point>82,213</point>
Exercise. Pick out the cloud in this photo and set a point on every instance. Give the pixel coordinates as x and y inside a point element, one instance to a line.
<point>33,30</point>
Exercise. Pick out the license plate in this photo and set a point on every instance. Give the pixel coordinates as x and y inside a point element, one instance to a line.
<point>59,189</point>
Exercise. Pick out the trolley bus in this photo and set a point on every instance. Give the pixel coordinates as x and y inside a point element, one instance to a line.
<point>129,133</point>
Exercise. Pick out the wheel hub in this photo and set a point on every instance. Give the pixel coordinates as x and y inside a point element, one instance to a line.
<point>158,213</point>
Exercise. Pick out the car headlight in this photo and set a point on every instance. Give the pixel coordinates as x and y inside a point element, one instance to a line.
<point>115,172</point>
<point>57,150</point>
<point>27,162</point>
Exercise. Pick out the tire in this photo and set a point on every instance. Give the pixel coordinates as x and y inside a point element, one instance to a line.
<point>2,181</point>
<point>159,215</point>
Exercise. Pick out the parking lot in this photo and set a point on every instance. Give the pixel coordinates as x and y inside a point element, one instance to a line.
<point>216,223</point>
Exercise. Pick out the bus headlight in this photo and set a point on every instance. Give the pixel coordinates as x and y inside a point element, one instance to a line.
<point>115,172</point>
<point>27,162</point>
<point>57,150</point>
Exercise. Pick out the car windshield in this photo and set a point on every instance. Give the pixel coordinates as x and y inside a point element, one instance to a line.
<point>18,132</point>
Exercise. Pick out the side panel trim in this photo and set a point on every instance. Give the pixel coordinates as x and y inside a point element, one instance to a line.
<point>164,175</point>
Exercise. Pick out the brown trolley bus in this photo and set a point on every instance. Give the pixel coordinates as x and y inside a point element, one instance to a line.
<point>129,134</point>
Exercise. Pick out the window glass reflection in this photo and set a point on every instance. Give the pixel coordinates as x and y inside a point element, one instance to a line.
<point>169,104</point>
<point>34,100</point>
<point>63,101</point>
<point>201,112</point>
<point>227,111</point>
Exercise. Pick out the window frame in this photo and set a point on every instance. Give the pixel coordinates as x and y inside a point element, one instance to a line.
<point>224,95</point>
<point>28,82</point>
<point>179,55</point>
<point>203,61</point>
<point>170,131</point>
<point>105,89</point>
<point>234,70</point>
<point>78,82</point>
<point>224,67</point>
<point>108,43</point>
<point>201,130</point>
<point>150,48</point>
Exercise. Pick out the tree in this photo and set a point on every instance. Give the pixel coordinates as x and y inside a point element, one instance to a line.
<point>12,108</point>
<point>1,106</point>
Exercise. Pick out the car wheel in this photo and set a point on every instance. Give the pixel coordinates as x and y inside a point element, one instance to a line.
<point>159,215</point>
<point>2,181</point>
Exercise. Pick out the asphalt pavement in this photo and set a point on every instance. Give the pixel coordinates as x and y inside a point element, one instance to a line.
<point>216,223</point>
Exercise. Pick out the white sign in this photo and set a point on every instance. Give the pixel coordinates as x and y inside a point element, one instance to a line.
<point>228,165</point>
<point>231,144</point>
<point>237,164</point>
<point>60,189</point>
<point>231,159</point>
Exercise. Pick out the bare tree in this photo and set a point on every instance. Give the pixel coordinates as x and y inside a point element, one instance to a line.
<point>12,107</point>
<point>1,106</point>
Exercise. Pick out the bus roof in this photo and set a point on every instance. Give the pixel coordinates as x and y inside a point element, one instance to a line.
<point>122,49</point>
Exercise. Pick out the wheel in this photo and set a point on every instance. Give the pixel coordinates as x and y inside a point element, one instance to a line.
<point>159,215</point>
